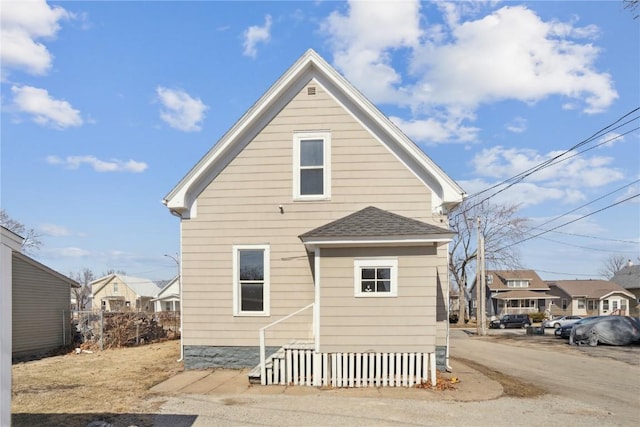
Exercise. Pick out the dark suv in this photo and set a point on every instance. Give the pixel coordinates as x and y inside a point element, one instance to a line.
<point>511,321</point>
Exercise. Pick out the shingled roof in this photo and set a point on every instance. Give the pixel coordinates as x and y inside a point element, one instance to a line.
<point>628,277</point>
<point>372,223</point>
<point>589,288</point>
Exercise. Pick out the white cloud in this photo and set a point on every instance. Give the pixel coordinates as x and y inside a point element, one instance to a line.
<point>517,125</point>
<point>611,138</point>
<point>256,34</point>
<point>112,165</point>
<point>509,54</point>
<point>524,194</point>
<point>436,131</point>
<point>575,172</point>
<point>181,111</point>
<point>565,182</point>
<point>44,109</point>
<point>363,38</point>
<point>632,191</point>
<point>54,230</point>
<point>68,252</point>
<point>22,24</point>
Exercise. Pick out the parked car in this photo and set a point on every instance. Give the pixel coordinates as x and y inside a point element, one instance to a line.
<point>612,330</point>
<point>565,331</point>
<point>561,321</point>
<point>511,321</point>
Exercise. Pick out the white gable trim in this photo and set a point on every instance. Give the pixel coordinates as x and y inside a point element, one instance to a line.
<point>310,66</point>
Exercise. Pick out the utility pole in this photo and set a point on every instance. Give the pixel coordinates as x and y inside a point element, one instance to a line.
<point>481,292</point>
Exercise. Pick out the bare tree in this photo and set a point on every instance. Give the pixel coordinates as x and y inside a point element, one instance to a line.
<point>632,6</point>
<point>31,238</point>
<point>500,227</point>
<point>114,271</point>
<point>82,294</point>
<point>612,265</point>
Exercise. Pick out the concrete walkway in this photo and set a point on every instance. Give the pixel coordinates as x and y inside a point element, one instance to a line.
<point>473,386</point>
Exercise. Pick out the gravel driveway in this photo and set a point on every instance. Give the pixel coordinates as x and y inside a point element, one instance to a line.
<point>583,391</point>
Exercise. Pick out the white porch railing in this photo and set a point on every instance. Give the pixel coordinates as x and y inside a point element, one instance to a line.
<point>263,358</point>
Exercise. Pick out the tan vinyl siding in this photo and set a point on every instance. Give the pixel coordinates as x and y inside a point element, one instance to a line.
<point>240,207</point>
<point>405,323</point>
<point>39,301</point>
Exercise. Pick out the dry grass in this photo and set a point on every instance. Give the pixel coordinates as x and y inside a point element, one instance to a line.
<point>76,389</point>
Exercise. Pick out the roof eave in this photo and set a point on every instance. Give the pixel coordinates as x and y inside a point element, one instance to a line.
<point>180,199</point>
<point>312,242</point>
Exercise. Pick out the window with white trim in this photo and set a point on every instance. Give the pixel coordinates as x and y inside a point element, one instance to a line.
<point>251,280</point>
<point>375,277</point>
<point>517,283</point>
<point>312,166</point>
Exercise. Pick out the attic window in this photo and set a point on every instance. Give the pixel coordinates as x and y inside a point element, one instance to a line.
<point>311,90</point>
<point>312,166</point>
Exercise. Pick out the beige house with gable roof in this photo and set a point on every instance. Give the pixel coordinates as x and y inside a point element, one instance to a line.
<point>117,292</point>
<point>590,298</point>
<point>316,232</point>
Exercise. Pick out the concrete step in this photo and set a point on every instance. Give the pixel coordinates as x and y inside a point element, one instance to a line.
<point>254,374</point>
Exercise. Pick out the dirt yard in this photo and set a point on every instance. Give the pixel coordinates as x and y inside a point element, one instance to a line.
<point>113,386</point>
<point>76,389</point>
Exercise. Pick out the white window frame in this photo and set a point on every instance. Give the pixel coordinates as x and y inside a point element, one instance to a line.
<point>236,281</point>
<point>391,263</point>
<point>326,166</point>
<point>517,283</point>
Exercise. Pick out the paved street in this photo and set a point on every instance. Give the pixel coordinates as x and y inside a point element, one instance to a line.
<point>601,382</point>
<point>584,391</point>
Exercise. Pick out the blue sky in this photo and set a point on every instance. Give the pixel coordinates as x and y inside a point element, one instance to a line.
<point>107,105</point>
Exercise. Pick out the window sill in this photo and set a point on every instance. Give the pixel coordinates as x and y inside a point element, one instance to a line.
<point>311,198</point>
<point>389,295</point>
<point>249,314</point>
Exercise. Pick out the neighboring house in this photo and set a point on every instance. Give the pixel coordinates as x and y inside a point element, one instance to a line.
<point>40,305</point>
<point>116,292</point>
<point>316,212</point>
<point>168,299</point>
<point>589,298</point>
<point>629,278</point>
<point>515,292</point>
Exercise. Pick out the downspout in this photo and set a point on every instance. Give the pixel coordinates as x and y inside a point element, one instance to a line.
<point>447,300</point>
<point>175,213</point>
<point>316,305</point>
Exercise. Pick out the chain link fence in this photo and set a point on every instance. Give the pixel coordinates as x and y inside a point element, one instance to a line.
<point>99,330</point>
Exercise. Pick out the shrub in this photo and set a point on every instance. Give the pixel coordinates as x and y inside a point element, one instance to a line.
<point>537,317</point>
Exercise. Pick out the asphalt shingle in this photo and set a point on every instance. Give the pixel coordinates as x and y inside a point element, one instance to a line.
<point>373,222</point>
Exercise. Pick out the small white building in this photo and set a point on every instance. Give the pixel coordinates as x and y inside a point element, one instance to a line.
<point>168,299</point>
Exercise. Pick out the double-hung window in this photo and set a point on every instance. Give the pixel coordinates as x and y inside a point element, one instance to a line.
<point>375,277</point>
<point>251,280</point>
<point>312,166</point>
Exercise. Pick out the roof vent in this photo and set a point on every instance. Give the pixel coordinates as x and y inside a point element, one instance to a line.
<point>311,90</point>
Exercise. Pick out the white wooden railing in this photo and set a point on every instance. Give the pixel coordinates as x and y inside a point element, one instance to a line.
<point>297,364</point>
<point>263,358</point>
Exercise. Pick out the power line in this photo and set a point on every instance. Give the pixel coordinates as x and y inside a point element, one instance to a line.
<point>591,237</point>
<point>561,274</point>
<point>549,162</point>
<point>583,247</point>
<point>570,222</point>
<point>589,203</point>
